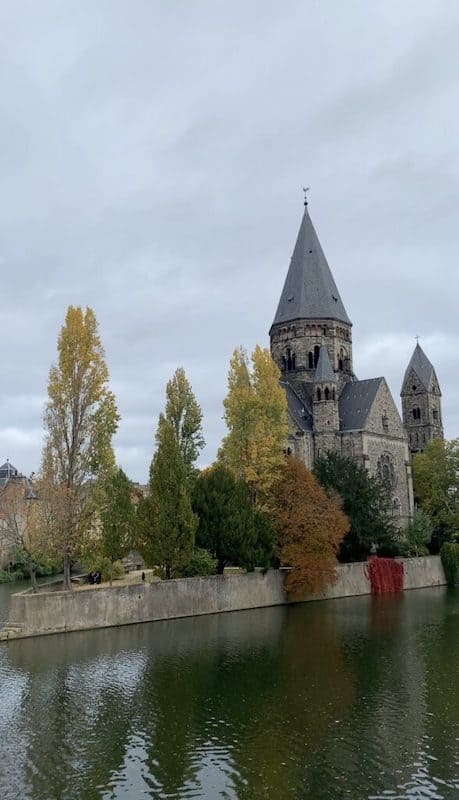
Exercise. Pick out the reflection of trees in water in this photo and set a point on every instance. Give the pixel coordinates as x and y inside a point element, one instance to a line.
<point>282,702</point>
<point>440,644</point>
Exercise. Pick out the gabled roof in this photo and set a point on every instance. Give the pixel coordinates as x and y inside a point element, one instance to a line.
<point>324,370</point>
<point>355,403</point>
<point>309,291</point>
<point>421,365</point>
<point>297,408</point>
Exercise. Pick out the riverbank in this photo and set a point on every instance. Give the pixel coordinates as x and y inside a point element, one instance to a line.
<point>102,607</point>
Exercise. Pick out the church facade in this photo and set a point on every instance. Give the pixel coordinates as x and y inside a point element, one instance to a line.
<point>329,408</point>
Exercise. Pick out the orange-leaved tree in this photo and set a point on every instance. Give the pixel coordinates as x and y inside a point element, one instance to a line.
<point>310,527</point>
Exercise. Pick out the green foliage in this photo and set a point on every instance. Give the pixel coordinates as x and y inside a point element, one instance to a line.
<point>117,517</point>
<point>366,501</point>
<point>166,523</point>
<point>109,570</point>
<point>184,414</point>
<point>418,534</point>
<point>229,526</point>
<point>450,559</point>
<point>436,487</point>
<point>200,563</point>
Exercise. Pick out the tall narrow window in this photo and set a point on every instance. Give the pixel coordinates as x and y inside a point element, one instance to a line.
<point>319,394</point>
<point>327,393</point>
<point>293,361</point>
<point>310,360</point>
<point>316,354</point>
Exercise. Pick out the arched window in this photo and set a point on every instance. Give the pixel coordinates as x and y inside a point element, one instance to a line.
<point>316,354</point>
<point>293,361</point>
<point>435,414</point>
<point>310,360</point>
<point>327,393</point>
<point>319,394</point>
<point>289,360</point>
<point>416,412</point>
<point>396,507</point>
<point>333,394</point>
<point>385,469</point>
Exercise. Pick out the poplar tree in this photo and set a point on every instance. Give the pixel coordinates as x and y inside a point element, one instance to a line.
<point>166,523</point>
<point>184,414</point>
<point>117,518</point>
<point>80,419</point>
<point>256,417</point>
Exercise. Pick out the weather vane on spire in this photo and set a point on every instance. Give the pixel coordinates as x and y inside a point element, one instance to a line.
<point>305,192</point>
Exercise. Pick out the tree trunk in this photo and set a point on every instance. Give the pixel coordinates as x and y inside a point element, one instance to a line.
<point>220,566</point>
<point>33,576</point>
<point>67,566</point>
<point>111,573</point>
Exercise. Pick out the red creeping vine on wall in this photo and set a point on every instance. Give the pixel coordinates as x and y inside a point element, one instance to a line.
<point>385,575</point>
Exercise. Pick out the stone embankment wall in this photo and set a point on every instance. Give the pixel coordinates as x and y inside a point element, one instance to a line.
<point>101,607</point>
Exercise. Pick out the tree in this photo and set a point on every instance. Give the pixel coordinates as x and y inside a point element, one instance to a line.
<point>80,419</point>
<point>185,415</point>
<point>117,518</point>
<point>367,502</point>
<point>310,527</point>
<point>436,487</point>
<point>23,524</point>
<point>256,417</point>
<point>418,534</point>
<point>229,526</point>
<point>166,523</point>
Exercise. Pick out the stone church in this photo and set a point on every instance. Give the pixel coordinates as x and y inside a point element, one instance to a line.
<point>329,408</point>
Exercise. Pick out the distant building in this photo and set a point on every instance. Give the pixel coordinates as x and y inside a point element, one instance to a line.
<point>329,408</point>
<point>11,477</point>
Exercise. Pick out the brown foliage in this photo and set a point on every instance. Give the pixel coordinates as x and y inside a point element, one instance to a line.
<point>310,527</point>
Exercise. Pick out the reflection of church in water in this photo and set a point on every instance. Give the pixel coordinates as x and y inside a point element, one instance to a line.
<point>329,409</point>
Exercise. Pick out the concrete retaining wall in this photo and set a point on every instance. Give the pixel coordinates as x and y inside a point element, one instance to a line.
<point>101,607</point>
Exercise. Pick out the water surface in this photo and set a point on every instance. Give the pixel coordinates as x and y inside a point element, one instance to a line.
<point>355,698</point>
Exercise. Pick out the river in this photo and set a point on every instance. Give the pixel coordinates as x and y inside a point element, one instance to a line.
<point>354,698</point>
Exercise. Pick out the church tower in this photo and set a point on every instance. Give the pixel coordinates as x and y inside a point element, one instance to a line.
<point>421,402</point>
<point>325,411</point>
<point>310,314</point>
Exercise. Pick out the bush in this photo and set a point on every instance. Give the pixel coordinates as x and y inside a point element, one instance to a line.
<point>450,559</point>
<point>418,534</point>
<point>98,563</point>
<point>200,563</point>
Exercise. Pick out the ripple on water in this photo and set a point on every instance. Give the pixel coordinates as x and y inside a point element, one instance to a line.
<point>316,702</point>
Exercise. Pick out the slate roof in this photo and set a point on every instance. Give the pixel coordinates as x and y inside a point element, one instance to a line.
<point>324,370</point>
<point>355,403</point>
<point>7,471</point>
<point>309,291</point>
<point>297,408</point>
<point>421,366</point>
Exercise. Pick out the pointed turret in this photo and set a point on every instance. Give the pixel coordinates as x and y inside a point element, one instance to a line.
<point>421,366</point>
<point>309,291</point>
<point>421,402</point>
<point>324,370</point>
<point>311,313</point>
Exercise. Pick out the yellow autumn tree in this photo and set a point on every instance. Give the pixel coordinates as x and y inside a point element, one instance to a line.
<point>80,419</point>
<point>256,417</point>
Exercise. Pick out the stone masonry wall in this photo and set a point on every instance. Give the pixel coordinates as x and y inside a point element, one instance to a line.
<point>102,607</point>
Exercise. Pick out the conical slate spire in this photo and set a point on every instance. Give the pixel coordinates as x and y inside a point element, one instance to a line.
<point>324,370</point>
<point>309,291</point>
<point>421,365</point>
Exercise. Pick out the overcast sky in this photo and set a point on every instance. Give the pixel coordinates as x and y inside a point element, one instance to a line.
<point>152,156</point>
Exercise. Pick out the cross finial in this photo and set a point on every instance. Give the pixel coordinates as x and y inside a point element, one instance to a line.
<point>417,338</point>
<point>305,192</point>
